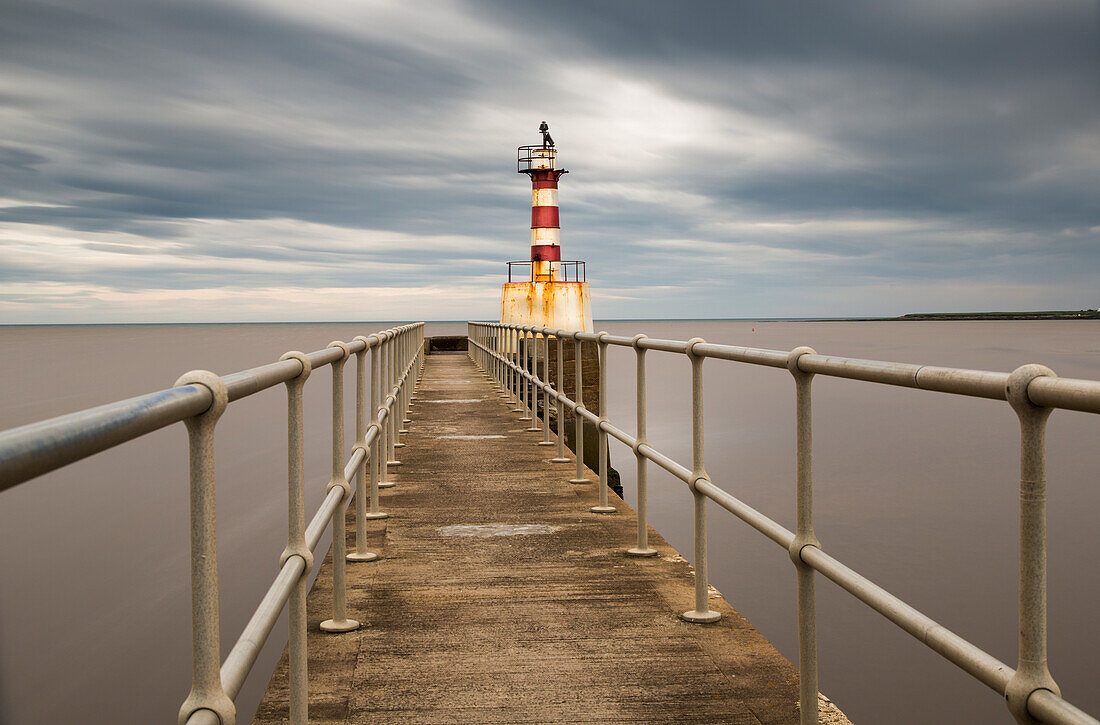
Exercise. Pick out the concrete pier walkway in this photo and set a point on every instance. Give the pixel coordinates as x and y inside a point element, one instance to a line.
<point>500,598</point>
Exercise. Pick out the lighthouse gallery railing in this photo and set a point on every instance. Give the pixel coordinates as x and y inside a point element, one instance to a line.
<point>509,354</point>
<point>198,400</point>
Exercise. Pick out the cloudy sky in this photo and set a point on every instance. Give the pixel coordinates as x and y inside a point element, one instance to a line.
<point>355,159</point>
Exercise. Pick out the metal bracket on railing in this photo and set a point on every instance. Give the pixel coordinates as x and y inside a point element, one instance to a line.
<point>206,685</point>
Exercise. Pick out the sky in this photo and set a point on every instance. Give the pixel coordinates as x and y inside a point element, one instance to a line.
<point>280,160</point>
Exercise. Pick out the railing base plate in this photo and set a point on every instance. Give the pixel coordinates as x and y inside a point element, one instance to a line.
<point>331,625</point>
<point>696,617</point>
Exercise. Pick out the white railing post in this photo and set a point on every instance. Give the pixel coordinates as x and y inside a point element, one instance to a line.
<point>701,613</point>
<point>603,507</point>
<point>578,420</point>
<point>805,536</point>
<point>339,621</point>
<point>517,400</point>
<point>378,445</point>
<point>369,469</point>
<point>545,379</point>
<point>386,414</point>
<point>531,359</point>
<point>206,684</point>
<point>409,372</point>
<point>521,351</point>
<point>502,369</point>
<point>399,396</point>
<point>643,548</point>
<point>406,370</point>
<point>561,457</point>
<point>1032,673</point>
<point>391,399</point>
<point>296,543</point>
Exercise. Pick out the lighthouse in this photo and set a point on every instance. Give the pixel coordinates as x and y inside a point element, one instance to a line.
<point>545,290</point>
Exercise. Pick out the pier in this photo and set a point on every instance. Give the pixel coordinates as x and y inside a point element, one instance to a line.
<point>479,572</point>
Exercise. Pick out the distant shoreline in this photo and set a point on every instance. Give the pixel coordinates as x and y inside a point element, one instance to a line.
<point>1046,315</point>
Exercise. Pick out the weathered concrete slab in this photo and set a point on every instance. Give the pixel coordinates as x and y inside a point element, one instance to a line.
<point>535,615</point>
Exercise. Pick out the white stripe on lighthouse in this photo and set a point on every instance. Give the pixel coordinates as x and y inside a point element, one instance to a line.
<point>544,197</point>
<point>545,235</point>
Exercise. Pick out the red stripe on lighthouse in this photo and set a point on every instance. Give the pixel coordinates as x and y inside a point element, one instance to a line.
<point>545,178</point>
<point>544,216</point>
<point>545,253</point>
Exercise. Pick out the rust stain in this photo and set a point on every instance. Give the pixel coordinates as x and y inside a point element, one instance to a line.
<point>562,305</point>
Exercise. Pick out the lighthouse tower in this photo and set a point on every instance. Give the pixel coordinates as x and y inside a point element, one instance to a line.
<point>545,291</point>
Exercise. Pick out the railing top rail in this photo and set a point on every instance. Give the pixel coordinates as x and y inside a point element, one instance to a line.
<point>1049,392</point>
<point>37,448</point>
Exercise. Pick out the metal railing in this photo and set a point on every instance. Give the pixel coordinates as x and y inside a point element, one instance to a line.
<point>562,265</point>
<point>198,400</point>
<point>509,355</point>
<point>529,158</point>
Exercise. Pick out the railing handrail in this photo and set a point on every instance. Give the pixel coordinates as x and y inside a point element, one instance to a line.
<point>578,265</point>
<point>1045,391</point>
<point>503,351</point>
<point>35,449</point>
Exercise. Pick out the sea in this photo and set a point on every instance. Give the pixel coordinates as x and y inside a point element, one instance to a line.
<point>916,490</point>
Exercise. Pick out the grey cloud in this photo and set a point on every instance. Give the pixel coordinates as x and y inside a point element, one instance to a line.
<point>967,116</point>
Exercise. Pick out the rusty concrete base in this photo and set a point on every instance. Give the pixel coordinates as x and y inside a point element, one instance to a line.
<point>501,599</point>
<point>560,305</point>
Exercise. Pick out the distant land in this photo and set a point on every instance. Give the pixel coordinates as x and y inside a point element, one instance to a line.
<point>1047,315</point>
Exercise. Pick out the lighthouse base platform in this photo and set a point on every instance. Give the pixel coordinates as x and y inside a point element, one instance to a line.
<point>560,305</point>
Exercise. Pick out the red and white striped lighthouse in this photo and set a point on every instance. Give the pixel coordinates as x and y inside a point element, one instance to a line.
<point>556,295</point>
<point>545,225</point>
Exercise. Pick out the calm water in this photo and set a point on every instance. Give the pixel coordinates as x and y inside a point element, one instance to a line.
<point>915,490</point>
